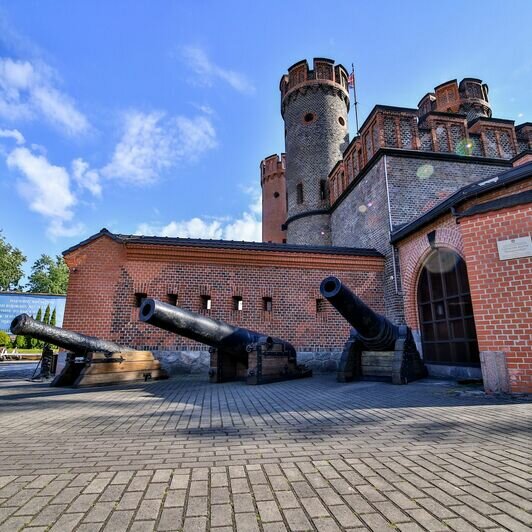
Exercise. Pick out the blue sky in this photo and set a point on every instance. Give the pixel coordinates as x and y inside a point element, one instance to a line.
<point>152,116</point>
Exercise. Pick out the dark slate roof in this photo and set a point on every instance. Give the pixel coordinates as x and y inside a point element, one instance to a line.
<point>225,244</point>
<point>469,191</point>
<point>521,198</point>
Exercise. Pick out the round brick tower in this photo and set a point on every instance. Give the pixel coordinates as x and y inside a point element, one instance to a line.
<point>273,185</point>
<point>314,106</point>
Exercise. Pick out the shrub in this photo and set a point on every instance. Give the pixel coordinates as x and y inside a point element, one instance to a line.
<point>5,340</point>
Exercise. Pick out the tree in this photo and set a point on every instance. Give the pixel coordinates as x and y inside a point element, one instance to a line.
<point>5,340</point>
<point>11,261</point>
<point>33,343</point>
<point>46,318</point>
<point>53,319</point>
<point>49,276</point>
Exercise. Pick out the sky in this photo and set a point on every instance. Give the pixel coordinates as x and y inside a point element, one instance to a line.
<point>152,116</point>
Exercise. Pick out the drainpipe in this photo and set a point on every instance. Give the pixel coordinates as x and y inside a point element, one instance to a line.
<point>397,291</point>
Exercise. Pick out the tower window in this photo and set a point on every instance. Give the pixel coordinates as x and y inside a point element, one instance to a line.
<point>206,302</point>
<point>237,303</point>
<point>299,193</point>
<point>267,304</point>
<point>276,194</point>
<point>172,299</point>
<point>323,189</point>
<point>341,121</point>
<point>309,117</point>
<point>139,298</point>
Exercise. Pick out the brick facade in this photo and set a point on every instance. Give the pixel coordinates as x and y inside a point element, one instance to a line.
<point>106,275</point>
<point>500,290</point>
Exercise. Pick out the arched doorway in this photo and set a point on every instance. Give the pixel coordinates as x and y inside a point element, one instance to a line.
<point>445,311</point>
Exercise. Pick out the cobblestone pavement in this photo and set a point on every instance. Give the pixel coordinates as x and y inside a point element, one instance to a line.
<point>312,454</point>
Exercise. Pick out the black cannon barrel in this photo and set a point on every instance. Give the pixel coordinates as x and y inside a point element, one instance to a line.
<point>375,330</point>
<point>69,340</point>
<point>215,333</point>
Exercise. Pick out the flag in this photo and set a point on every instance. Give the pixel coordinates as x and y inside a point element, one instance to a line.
<point>351,79</point>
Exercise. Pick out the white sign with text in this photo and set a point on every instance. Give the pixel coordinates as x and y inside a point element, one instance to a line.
<point>515,248</point>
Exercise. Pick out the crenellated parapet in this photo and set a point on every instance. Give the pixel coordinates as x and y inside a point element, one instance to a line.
<point>456,118</point>
<point>470,97</point>
<point>272,168</point>
<point>325,75</point>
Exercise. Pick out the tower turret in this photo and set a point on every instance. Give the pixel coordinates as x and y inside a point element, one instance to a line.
<point>273,185</point>
<point>314,106</point>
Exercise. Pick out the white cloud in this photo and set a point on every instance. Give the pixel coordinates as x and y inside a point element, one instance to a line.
<point>207,71</point>
<point>14,134</point>
<point>248,227</point>
<point>152,143</point>
<point>27,91</point>
<point>58,229</point>
<point>195,136</point>
<point>193,228</point>
<point>46,188</point>
<point>86,178</point>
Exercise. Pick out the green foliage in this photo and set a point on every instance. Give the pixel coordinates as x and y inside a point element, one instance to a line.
<point>11,261</point>
<point>20,342</point>
<point>28,342</point>
<point>5,340</point>
<point>39,315</point>
<point>46,318</point>
<point>53,319</point>
<point>48,276</point>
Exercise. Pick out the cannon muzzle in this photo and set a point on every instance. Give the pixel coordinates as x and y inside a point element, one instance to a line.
<point>374,330</point>
<point>74,342</point>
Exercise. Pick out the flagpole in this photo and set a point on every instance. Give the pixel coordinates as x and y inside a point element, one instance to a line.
<point>355,103</point>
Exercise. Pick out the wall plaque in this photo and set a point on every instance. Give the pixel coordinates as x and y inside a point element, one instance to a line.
<point>515,248</point>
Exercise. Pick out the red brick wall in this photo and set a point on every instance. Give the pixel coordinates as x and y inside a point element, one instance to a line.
<point>100,298</point>
<point>501,290</point>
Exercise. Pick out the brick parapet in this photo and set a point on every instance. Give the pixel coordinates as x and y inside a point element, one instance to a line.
<point>442,123</point>
<point>325,74</point>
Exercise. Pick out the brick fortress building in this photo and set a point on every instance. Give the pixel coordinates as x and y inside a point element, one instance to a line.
<point>425,214</point>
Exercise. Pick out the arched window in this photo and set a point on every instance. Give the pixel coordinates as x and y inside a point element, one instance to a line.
<point>445,311</point>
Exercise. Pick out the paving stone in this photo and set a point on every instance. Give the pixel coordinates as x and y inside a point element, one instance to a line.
<point>345,516</point>
<point>269,511</point>
<point>170,519</point>
<point>196,506</point>
<point>246,522</point>
<point>129,501</point>
<point>148,509</point>
<point>119,521</point>
<point>221,515</point>
<point>297,520</point>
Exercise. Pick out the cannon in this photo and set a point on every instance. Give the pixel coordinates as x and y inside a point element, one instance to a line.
<point>377,349</point>
<point>91,361</point>
<point>236,353</point>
